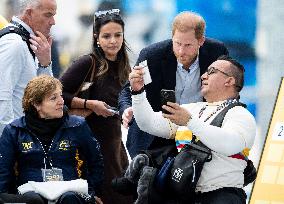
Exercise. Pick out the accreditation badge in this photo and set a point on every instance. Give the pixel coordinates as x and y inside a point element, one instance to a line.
<point>53,174</point>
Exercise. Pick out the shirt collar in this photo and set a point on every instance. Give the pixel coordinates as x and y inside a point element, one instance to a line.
<point>192,67</point>
<point>216,103</point>
<point>28,28</point>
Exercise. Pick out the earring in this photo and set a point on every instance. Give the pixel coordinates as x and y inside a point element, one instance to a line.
<point>98,44</point>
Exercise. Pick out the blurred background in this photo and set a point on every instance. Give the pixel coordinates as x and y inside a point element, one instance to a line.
<point>251,29</point>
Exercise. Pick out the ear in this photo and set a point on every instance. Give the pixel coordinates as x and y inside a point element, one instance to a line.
<point>37,107</point>
<point>201,41</point>
<point>28,12</point>
<point>230,81</point>
<point>27,16</point>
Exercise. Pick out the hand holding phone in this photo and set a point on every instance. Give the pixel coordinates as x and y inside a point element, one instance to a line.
<point>113,110</point>
<point>167,96</point>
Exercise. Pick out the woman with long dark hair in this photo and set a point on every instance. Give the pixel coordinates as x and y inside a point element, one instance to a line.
<point>110,64</point>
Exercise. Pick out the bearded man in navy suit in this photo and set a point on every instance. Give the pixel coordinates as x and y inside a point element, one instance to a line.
<point>175,64</point>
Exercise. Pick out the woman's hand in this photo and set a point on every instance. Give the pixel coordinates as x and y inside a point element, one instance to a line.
<point>99,107</point>
<point>127,116</point>
<point>98,200</point>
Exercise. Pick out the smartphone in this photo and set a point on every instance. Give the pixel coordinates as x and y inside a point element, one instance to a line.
<point>113,110</point>
<point>167,96</point>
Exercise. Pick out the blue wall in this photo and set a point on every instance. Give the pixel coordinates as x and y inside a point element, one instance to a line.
<point>234,23</point>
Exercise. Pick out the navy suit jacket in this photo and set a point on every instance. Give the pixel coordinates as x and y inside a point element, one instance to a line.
<point>162,65</point>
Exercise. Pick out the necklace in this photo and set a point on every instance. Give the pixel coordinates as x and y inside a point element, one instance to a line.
<point>219,107</point>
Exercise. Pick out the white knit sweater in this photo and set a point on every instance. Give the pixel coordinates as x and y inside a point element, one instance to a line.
<point>237,133</point>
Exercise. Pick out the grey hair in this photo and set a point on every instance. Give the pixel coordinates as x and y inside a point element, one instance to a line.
<point>22,5</point>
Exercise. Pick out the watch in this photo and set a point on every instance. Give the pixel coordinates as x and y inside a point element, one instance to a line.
<point>137,92</point>
<point>41,66</point>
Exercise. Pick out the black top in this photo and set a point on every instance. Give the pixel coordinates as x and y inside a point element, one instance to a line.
<point>106,130</point>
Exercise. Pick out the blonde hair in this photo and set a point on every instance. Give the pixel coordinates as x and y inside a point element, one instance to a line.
<point>37,89</point>
<point>187,21</point>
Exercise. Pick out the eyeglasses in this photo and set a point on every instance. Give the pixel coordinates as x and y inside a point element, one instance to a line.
<point>101,14</point>
<point>213,70</point>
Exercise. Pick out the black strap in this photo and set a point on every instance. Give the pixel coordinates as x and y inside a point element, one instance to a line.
<point>218,120</point>
<point>20,30</point>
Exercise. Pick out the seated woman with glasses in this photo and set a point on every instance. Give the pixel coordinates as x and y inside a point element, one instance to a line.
<point>49,145</point>
<point>110,64</point>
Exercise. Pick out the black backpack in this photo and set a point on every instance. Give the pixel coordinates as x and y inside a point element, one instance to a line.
<point>158,161</point>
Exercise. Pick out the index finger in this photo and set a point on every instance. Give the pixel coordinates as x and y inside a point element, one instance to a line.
<point>39,34</point>
<point>173,105</point>
<point>137,67</point>
<point>168,116</point>
<point>138,71</point>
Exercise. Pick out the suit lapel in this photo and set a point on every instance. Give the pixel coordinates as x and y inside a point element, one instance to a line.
<point>169,67</point>
<point>203,59</point>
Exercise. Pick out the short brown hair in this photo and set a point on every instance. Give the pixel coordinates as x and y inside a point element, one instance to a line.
<point>186,21</point>
<point>37,89</point>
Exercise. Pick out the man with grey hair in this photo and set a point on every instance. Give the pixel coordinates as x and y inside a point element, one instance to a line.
<point>23,59</point>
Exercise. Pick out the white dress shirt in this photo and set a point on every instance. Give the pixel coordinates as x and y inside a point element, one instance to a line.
<point>17,68</point>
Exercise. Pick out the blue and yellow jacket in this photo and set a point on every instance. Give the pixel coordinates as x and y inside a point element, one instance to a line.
<point>74,149</point>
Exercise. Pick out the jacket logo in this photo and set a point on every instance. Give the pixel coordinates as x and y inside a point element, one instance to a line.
<point>177,175</point>
<point>64,145</point>
<point>27,146</point>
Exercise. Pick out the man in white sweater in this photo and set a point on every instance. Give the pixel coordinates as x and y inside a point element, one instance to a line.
<point>222,178</point>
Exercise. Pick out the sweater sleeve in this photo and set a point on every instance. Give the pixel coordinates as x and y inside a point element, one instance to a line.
<point>237,132</point>
<point>74,77</point>
<point>150,121</point>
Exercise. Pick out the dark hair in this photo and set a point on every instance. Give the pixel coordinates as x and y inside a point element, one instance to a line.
<point>122,56</point>
<point>237,71</point>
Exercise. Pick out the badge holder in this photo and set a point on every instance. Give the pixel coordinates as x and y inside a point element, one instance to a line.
<point>53,174</point>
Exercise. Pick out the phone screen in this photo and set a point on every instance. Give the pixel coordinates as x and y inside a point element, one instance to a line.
<point>167,96</point>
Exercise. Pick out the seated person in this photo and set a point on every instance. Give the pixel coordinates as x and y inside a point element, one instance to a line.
<point>222,179</point>
<point>47,144</point>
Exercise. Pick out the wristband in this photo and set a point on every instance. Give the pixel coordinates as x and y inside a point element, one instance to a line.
<point>137,92</point>
<point>85,104</point>
<point>41,66</point>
